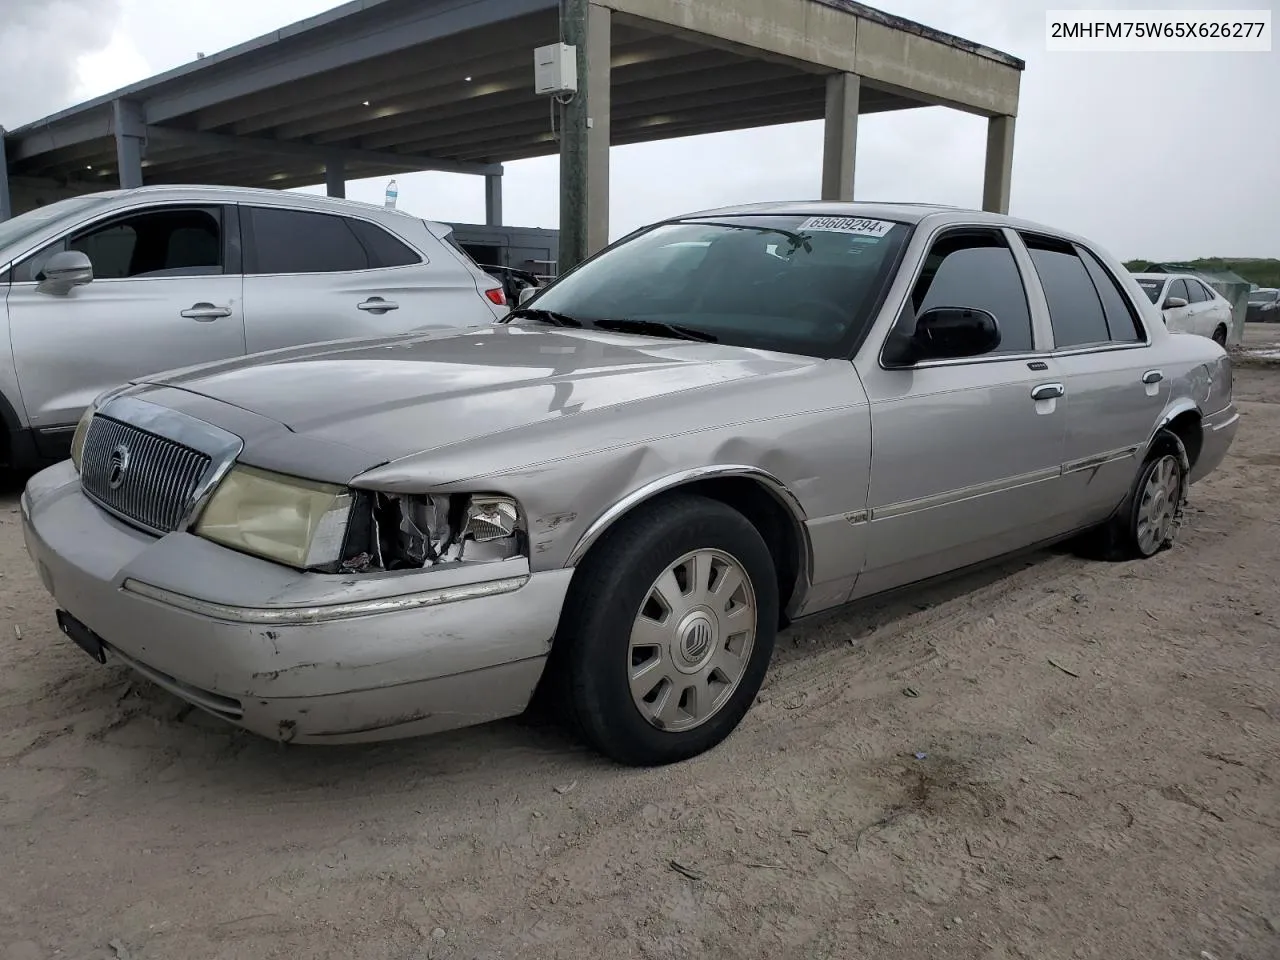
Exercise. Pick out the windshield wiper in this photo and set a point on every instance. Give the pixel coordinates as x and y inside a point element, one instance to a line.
<point>656,328</point>
<point>546,316</point>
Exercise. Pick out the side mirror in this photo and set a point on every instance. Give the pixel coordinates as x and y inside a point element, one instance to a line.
<point>526,295</point>
<point>1173,303</point>
<point>64,270</point>
<point>946,333</point>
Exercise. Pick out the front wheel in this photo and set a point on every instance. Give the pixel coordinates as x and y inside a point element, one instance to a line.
<point>1220,336</point>
<point>668,631</point>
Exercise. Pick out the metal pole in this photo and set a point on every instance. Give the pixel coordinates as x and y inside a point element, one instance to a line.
<point>573,141</point>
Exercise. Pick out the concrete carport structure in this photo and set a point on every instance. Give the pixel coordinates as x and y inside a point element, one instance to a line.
<point>378,87</point>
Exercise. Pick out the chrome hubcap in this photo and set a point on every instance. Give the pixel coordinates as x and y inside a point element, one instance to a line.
<point>1159,505</point>
<point>692,640</point>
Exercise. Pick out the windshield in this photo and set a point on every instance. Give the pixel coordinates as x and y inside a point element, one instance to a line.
<point>1151,287</point>
<point>20,227</point>
<point>805,285</point>
<point>1264,296</point>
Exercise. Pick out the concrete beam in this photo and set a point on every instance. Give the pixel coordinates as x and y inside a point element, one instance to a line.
<point>493,200</point>
<point>584,136</point>
<point>6,202</point>
<point>131,137</point>
<point>934,72</point>
<point>284,148</point>
<point>840,136</point>
<point>998,176</point>
<point>378,36</point>
<point>812,34</point>
<point>335,177</point>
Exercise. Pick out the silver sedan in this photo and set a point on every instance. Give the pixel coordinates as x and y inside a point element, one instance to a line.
<point>723,423</point>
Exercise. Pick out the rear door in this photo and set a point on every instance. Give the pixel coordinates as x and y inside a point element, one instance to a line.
<point>166,293</point>
<point>312,276</point>
<point>966,454</point>
<point>1200,308</point>
<point>1115,391</point>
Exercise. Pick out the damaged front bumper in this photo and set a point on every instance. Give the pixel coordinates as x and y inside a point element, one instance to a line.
<point>294,656</point>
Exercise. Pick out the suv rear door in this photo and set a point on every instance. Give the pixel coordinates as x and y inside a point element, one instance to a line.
<point>166,293</point>
<point>312,276</point>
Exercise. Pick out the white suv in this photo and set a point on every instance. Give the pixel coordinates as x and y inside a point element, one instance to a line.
<point>99,289</point>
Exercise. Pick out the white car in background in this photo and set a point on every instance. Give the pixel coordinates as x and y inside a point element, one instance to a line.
<point>1188,304</point>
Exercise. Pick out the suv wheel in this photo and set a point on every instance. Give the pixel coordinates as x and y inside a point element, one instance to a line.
<point>668,630</point>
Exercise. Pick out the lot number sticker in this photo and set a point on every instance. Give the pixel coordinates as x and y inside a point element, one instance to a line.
<point>857,226</point>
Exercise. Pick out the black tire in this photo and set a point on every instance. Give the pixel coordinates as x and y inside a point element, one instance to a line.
<point>1220,336</point>
<point>591,654</point>
<point>1121,537</point>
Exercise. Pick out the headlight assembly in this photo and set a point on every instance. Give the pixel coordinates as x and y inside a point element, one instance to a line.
<point>395,532</point>
<point>296,522</point>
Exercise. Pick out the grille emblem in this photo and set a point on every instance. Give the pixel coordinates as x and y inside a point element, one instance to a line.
<point>117,466</point>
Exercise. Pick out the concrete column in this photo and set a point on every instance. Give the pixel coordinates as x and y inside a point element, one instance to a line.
<point>999,171</point>
<point>840,144</point>
<point>493,199</point>
<point>584,136</point>
<point>6,201</point>
<point>335,177</point>
<point>130,129</point>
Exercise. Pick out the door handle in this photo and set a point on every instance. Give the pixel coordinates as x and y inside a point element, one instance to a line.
<point>1153,376</point>
<point>204,312</point>
<point>1048,391</point>
<point>378,305</point>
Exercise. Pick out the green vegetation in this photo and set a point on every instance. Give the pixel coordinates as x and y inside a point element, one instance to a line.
<point>1265,273</point>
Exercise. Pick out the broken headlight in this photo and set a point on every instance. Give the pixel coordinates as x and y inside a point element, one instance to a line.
<point>401,532</point>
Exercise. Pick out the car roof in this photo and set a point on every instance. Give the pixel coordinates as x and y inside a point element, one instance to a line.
<point>903,212</point>
<point>224,194</point>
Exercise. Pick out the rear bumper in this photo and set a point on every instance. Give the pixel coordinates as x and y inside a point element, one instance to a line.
<point>1217,432</point>
<point>293,656</point>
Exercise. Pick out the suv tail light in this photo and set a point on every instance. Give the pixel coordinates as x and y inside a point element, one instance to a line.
<point>497,296</point>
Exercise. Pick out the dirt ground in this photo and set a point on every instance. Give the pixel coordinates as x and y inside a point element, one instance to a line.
<point>1054,759</point>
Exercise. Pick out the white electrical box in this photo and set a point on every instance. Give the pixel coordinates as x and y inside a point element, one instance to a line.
<point>555,69</point>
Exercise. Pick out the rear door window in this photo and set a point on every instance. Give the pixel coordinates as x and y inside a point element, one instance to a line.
<point>1196,291</point>
<point>1075,309</point>
<point>300,241</point>
<point>384,250</point>
<point>1123,323</point>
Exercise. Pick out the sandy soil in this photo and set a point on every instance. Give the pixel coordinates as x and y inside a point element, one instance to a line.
<point>1101,755</point>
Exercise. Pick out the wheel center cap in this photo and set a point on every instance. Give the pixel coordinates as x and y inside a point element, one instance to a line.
<point>696,638</point>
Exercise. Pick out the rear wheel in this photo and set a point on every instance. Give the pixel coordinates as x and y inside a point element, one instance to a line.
<point>668,631</point>
<point>1151,515</point>
<point>1220,336</point>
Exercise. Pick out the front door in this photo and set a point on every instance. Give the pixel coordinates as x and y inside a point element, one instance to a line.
<point>1115,391</point>
<point>966,454</point>
<point>161,297</point>
<point>1179,319</point>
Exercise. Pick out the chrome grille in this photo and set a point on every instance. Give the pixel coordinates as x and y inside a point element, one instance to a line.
<point>140,476</point>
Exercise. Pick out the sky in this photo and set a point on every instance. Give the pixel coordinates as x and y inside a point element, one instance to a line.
<point>1155,155</point>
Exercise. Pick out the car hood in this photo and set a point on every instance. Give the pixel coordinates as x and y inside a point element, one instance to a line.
<point>405,395</point>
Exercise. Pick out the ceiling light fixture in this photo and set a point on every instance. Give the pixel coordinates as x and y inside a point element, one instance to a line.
<point>366,103</point>
<point>468,79</point>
